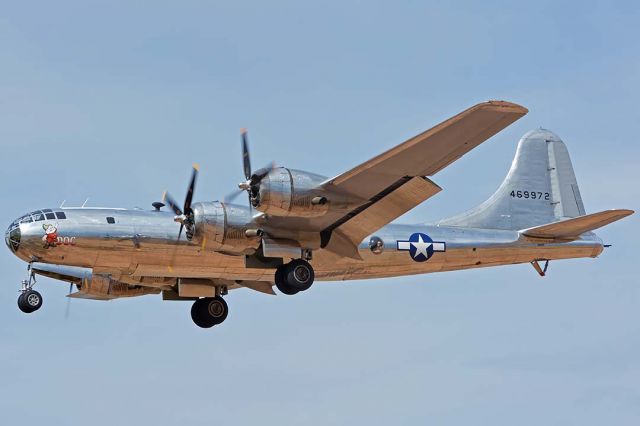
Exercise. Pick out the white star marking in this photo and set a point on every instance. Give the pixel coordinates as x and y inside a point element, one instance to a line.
<point>421,247</point>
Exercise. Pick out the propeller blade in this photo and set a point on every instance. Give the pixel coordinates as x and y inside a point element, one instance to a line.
<point>168,199</point>
<point>175,249</point>
<point>182,216</point>
<point>67,311</point>
<point>228,199</point>
<point>192,187</point>
<point>260,174</point>
<point>180,232</point>
<point>252,179</point>
<point>246,161</point>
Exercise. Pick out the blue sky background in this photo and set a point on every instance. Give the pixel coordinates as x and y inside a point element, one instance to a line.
<point>115,100</point>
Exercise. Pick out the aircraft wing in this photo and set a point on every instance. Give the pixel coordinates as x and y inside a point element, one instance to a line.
<point>344,236</point>
<point>428,152</point>
<point>394,182</point>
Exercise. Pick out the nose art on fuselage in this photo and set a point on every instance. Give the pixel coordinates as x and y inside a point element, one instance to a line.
<point>32,225</point>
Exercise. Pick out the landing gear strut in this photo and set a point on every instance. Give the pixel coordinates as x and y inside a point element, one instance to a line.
<point>209,311</point>
<point>294,277</point>
<point>29,300</point>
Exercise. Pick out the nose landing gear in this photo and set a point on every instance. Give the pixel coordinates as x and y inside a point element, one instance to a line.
<point>29,300</point>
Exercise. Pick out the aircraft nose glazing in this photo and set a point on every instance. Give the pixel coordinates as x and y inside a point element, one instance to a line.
<point>12,236</point>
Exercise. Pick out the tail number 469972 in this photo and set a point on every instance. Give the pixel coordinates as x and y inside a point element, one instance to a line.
<point>535,195</point>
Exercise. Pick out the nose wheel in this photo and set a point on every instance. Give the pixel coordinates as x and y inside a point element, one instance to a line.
<point>29,300</point>
<point>209,311</point>
<point>294,277</point>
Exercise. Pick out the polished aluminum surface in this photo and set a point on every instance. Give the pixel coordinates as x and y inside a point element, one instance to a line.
<point>114,253</point>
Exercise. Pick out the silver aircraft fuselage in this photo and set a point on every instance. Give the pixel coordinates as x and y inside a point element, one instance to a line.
<point>139,245</point>
<point>300,226</point>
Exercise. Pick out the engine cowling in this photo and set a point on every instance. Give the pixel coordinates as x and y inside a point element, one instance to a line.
<point>288,192</point>
<point>225,228</point>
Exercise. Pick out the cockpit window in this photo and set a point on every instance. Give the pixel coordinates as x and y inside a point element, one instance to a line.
<point>47,210</point>
<point>50,215</point>
<point>26,219</point>
<point>61,215</point>
<point>38,216</point>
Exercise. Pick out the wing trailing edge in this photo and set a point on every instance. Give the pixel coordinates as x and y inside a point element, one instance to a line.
<point>345,235</point>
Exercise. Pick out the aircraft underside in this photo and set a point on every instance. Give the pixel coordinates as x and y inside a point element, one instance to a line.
<point>300,227</point>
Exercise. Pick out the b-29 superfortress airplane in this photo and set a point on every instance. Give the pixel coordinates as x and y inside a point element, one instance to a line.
<point>300,227</point>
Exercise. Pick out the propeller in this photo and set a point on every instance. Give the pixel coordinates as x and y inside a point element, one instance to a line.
<point>252,178</point>
<point>184,215</point>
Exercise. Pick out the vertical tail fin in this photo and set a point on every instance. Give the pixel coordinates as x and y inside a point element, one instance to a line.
<point>540,188</point>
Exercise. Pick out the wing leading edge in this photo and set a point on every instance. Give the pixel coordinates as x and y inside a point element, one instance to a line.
<point>430,151</point>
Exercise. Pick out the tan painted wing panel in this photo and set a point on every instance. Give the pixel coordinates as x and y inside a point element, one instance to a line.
<point>81,295</point>
<point>431,151</point>
<point>578,225</point>
<point>261,286</point>
<point>347,236</point>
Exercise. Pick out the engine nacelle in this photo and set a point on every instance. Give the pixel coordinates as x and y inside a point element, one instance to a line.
<point>287,192</point>
<point>224,228</point>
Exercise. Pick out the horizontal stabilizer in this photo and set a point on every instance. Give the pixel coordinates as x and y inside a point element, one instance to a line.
<point>578,225</point>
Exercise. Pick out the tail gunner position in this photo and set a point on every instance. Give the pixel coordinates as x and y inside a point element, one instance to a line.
<point>300,227</point>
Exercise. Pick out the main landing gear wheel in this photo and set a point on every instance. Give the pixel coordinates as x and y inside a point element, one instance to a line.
<point>209,311</point>
<point>29,301</point>
<point>294,277</point>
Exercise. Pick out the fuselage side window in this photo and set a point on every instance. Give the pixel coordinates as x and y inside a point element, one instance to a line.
<point>111,219</point>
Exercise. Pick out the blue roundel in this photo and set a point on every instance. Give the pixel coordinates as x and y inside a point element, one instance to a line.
<point>421,248</point>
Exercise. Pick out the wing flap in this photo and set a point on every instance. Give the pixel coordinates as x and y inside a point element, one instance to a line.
<point>260,286</point>
<point>578,225</point>
<point>430,151</point>
<point>81,295</point>
<point>348,232</point>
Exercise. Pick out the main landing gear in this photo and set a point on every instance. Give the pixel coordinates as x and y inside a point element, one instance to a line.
<point>29,300</point>
<point>294,277</point>
<point>209,311</point>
